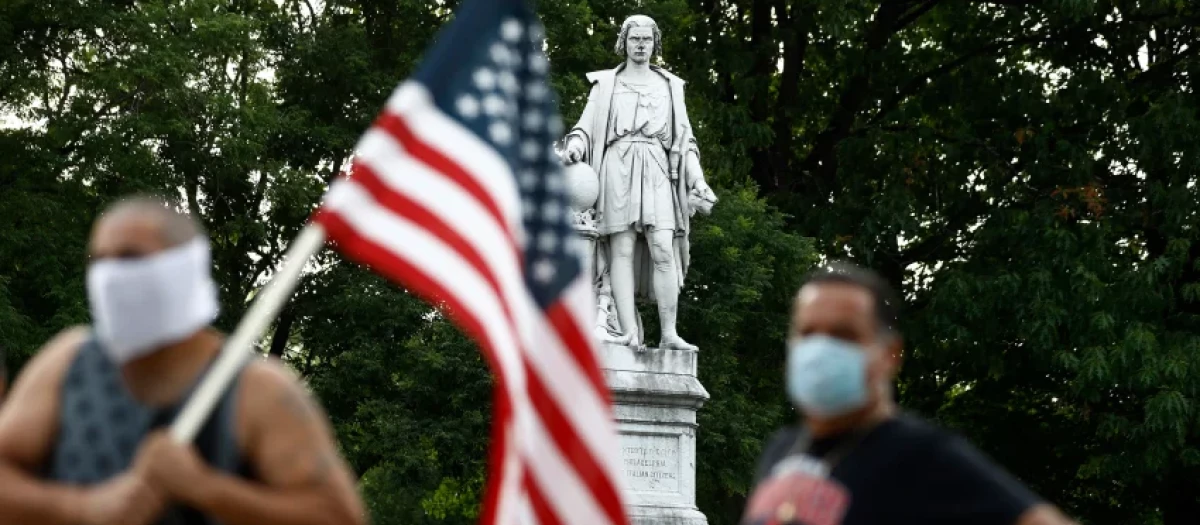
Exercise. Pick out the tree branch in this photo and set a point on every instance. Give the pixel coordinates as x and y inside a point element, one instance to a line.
<point>1012,3</point>
<point>1166,67</point>
<point>821,164</point>
<point>913,86</point>
<point>914,14</point>
<point>283,329</point>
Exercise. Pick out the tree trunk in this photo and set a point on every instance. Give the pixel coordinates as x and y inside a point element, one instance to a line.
<point>1181,497</point>
<point>282,332</point>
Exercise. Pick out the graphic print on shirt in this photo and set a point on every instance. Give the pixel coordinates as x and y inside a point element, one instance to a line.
<point>798,493</point>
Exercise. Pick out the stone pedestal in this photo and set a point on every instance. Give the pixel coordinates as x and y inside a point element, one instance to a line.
<point>656,396</point>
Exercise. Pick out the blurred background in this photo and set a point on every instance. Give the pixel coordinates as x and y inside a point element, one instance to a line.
<point>1024,170</point>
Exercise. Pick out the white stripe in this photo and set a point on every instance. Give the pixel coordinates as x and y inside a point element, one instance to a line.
<point>462,212</point>
<point>527,516</point>
<point>425,251</point>
<point>449,202</point>
<point>570,389</point>
<point>580,302</point>
<point>511,491</point>
<point>559,482</point>
<point>413,102</point>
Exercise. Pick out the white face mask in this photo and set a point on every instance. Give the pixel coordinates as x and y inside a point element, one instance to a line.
<point>139,306</point>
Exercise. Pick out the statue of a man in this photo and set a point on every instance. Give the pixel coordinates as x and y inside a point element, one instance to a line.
<point>635,134</point>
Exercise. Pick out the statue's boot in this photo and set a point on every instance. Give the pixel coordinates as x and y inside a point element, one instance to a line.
<point>674,342</point>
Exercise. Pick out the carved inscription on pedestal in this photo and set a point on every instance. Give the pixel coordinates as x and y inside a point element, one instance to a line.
<point>651,462</point>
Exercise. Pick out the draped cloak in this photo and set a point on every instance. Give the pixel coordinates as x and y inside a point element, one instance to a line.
<point>593,129</point>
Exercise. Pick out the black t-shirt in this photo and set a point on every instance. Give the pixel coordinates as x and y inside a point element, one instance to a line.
<point>903,471</point>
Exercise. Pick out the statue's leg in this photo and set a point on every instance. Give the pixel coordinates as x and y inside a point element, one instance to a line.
<point>620,270</point>
<point>666,288</point>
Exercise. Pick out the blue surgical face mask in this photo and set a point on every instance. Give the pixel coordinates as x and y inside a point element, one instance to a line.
<point>826,376</point>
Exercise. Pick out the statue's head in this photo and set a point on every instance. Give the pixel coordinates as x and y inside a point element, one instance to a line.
<point>640,39</point>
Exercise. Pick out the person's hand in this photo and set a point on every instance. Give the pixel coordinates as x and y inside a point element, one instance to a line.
<point>177,469</point>
<point>573,152</point>
<point>128,499</point>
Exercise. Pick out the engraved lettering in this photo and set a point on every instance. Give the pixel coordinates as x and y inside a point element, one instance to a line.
<point>651,462</point>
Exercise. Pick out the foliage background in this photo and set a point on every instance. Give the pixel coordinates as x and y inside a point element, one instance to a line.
<point>1024,170</point>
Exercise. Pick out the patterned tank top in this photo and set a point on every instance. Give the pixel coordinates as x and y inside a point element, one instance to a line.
<point>101,426</point>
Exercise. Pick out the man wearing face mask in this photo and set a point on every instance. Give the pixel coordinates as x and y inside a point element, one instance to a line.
<point>856,459</point>
<point>82,436</point>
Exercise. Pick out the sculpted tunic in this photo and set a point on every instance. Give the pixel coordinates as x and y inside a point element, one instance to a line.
<point>611,123</point>
<point>637,186</point>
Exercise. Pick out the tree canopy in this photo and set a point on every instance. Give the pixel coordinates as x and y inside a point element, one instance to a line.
<point>1024,171</point>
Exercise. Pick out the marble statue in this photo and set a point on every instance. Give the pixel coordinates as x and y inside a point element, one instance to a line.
<point>635,137</point>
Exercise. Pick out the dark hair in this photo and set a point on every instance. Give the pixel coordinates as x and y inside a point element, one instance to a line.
<point>887,303</point>
<point>175,226</point>
<point>3,365</point>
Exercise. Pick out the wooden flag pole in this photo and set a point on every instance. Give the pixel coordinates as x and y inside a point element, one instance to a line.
<point>262,312</point>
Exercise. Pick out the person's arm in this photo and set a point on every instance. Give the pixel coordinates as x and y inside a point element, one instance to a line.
<point>776,448</point>
<point>28,423</point>
<point>290,444</point>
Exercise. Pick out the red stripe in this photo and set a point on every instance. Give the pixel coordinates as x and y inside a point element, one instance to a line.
<point>574,340</point>
<point>537,501</point>
<point>562,433</point>
<point>401,205</point>
<point>387,263</point>
<point>497,453</point>
<point>560,318</point>
<point>396,126</point>
<point>570,444</point>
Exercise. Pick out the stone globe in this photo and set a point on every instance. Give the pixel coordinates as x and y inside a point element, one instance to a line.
<point>583,186</point>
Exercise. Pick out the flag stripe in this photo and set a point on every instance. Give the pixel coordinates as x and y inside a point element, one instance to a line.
<point>589,411</point>
<point>537,503</point>
<point>555,473</point>
<point>446,138</point>
<point>402,206</point>
<point>455,204</point>
<point>572,447</point>
<point>433,204</point>
<point>502,484</point>
<point>574,340</point>
<point>399,130</point>
<point>562,432</point>
<point>562,435</point>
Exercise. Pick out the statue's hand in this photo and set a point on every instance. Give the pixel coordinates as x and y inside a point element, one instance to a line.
<point>699,203</point>
<point>574,150</point>
<point>702,198</point>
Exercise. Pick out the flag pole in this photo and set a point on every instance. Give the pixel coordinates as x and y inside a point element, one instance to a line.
<point>262,312</point>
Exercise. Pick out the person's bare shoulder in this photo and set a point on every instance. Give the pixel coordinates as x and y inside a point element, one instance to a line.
<point>268,385</point>
<point>1044,514</point>
<point>29,416</point>
<point>283,428</point>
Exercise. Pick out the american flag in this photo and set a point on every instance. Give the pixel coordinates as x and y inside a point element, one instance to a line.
<point>457,194</point>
